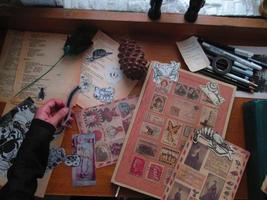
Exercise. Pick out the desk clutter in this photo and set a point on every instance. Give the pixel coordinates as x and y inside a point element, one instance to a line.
<point>168,143</point>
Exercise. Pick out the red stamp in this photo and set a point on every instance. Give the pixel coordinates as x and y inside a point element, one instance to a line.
<point>137,167</point>
<point>154,172</point>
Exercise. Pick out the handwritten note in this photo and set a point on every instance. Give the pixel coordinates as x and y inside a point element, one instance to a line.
<point>193,54</point>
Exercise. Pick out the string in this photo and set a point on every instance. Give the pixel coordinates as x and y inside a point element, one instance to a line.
<point>37,79</point>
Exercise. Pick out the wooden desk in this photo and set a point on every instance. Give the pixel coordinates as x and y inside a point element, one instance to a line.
<point>158,41</point>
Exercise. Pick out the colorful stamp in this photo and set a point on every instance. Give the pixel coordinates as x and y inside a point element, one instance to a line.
<point>154,172</point>
<point>102,152</point>
<point>184,110</point>
<point>115,148</point>
<point>174,111</point>
<point>146,148</point>
<point>150,130</point>
<point>171,132</point>
<point>158,103</point>
<point>168,156</point>
<point>212,188</point>
<point>137,167</point>
<point>179,191</point>
<point>164,86</point>
<point>193,93</point>
<point>155,119</point>
<point>113,131</point>
<point>208,117</point>
<point>196,156</point>
<point>180,89</point>
<point>125,109</point>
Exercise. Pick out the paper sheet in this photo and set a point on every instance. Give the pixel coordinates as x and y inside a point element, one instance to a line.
<point>103,73</point>
<point>39,52</point>
<point>9,61</point>
<point>193,54</point>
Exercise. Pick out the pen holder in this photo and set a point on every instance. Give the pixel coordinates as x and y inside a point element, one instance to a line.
<point>154,12</point>
<point>263,8</point>
<point>192,12</point>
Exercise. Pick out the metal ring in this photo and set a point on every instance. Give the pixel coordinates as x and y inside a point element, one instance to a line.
<point>215,65</point>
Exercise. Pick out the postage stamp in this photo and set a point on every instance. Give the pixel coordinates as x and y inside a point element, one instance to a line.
<point>184,110</point>
<point>164,86</point>
<point>208,117</point>
<point>150,130</point>
<point>155,119</point>
<point>146,148</point>
<point>158,103</point>
<point>193,93</point>
<point>179,191</point>
<point>212,188</point>
<point>180,89</point>
<point>168,156</point>
<point>125,109</point>
<point>196,155</point>
<point>154,172</point>
<point>102,152</point>
<point>171,132</point>
<point>137,167</point>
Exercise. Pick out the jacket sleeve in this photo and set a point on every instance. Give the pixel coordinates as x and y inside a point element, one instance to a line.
<point>30,163</point>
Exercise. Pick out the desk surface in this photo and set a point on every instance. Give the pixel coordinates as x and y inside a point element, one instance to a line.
<point>164,51</point>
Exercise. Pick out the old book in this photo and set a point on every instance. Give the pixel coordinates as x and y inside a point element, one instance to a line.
<point>173,103</point>
<point>208,168</point>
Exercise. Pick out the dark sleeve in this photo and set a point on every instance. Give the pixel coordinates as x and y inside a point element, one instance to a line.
<point>30,163</point>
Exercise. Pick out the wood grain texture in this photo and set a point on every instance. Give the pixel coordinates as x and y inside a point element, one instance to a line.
<point>158,41</point>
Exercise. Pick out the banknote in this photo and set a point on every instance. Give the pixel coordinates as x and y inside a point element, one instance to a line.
<point>85,173</point>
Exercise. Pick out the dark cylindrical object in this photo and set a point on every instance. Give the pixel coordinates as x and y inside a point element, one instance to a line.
<point>154,12</point>
<point>192,12</point>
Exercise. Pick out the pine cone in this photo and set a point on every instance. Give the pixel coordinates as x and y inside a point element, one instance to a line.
<point>132,60</point>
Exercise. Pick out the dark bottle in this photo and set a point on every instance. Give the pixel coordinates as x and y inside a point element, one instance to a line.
<point>192,12</point>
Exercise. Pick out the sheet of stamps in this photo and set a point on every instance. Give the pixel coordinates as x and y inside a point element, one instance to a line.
<point>168,112</point>
<point>85,173</point>
<point>209,168</point>
<point>109,123</point>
